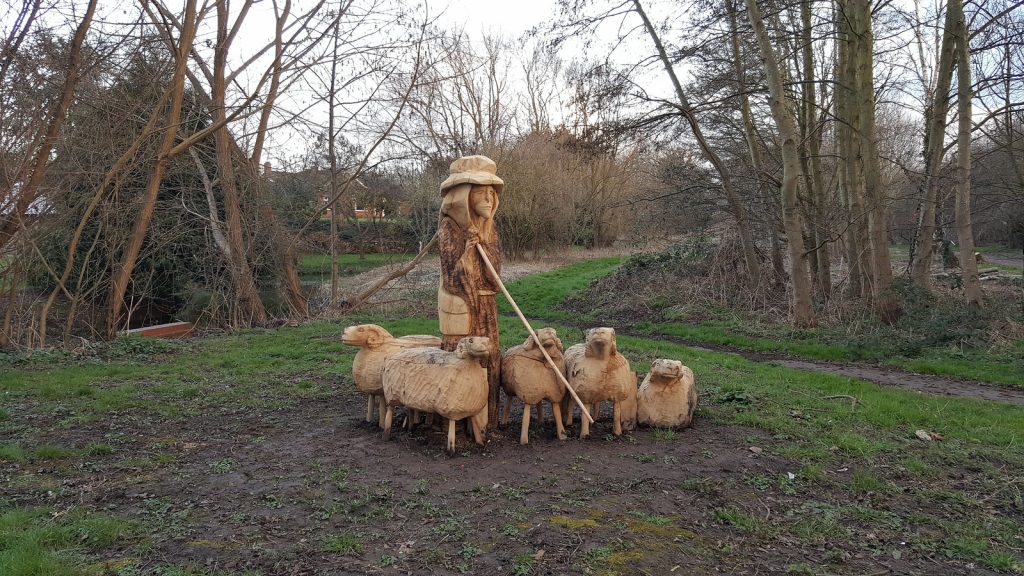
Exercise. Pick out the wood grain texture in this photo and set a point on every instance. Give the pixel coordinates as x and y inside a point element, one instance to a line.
<point>599,373</point>
<point>668,397</point>
<point>452,384</point>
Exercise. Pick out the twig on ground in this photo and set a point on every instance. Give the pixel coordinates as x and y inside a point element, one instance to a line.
<point>853,400</point>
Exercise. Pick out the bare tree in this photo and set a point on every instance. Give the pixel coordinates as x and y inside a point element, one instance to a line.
<point>965,233</point>
<point>781,106</point>
<point>25,188</point>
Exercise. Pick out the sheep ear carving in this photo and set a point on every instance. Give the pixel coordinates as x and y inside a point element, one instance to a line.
<point>614,348</point>
<point>375,339</point>
<point>558,342</point>
<point>530,343</point>
<point>460,350</point>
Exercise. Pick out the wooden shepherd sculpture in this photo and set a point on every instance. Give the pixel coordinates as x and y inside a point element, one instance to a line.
<point>466,303</point>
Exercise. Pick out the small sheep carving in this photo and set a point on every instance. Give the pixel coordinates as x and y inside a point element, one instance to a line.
<point>368,366</point>
<point>597,372</point>
<point>528,376</point>
<point>627,408</point>
<point>452,384</point>
<point>667,397</point>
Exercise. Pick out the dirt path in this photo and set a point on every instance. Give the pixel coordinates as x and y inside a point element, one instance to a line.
<point>1005,260</point>
<point>882,375</point>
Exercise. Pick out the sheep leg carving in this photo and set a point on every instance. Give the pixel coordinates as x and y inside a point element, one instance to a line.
<point>369,407</point>
<point>451,436</point>
<point>567,410</point>
<point>388,416</point>
<point>540,414</point>
<point>381,408</point>
<point>584,428</point>
<point>477,433</point>
<point>524,431</point>
<point>596,411</point>
<point>558,421</point>
<point>617,418</point>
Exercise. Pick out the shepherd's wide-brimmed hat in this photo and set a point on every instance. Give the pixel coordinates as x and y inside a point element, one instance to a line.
<point>473,170</point>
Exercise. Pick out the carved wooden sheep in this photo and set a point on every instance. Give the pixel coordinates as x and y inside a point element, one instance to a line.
<point>452,384</point>
<point>528,376</point>
<point>598,373</point>
<point>368,366</point>
<point>667,397</point>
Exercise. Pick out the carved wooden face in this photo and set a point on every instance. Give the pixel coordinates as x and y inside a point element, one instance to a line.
<point>481,200</point>
<point>369,335</point>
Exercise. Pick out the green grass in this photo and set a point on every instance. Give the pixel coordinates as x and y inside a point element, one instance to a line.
<point>319,265</point>
<point>262,366</point>
<point>928,339</point>
<point>344,543</point>
<point>33,542</point>
<point>539,295</point>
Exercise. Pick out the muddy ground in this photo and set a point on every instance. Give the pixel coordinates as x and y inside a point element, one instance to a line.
<point>310,488</point>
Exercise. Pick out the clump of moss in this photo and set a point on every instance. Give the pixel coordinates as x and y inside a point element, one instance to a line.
<point>574,523</point>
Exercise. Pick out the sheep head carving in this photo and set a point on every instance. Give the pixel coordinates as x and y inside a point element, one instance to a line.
<point>548,338</point>
<point>367,335</point>
<point>478,347</point>
<point>666,371</point>
<point>601,343</point>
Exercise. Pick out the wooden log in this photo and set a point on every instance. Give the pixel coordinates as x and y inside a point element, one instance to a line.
<point>171,330</point>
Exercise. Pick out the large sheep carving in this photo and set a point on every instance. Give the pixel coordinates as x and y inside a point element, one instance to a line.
<point>598,373</point>
<point>452,384</point>
<point>526,375</point>
<point>667,397</point>
<point>368,366</point>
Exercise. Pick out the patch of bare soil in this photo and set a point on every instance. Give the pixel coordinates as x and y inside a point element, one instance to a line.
<point>312,489</point>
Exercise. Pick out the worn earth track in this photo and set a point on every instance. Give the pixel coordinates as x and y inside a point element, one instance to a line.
<point>882,375</point>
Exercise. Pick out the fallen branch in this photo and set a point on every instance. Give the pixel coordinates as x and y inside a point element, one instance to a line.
<point>349,305</point>
<point>853,401</point>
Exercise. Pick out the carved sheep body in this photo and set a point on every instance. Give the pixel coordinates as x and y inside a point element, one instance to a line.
<point>452,384</point>
<point>377,345</point>
<point>668,396</point>
<point>598,373</point>
<point>526,374</point>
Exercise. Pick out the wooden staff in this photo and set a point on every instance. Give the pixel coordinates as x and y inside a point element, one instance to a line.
<point>540,345</point>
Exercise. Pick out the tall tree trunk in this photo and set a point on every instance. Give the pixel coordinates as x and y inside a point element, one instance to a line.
<point>122,273</point>
<point>968,264</point>
<point>28,193</point>
<point>248,307</point>
<point>750,134</point>
<point>935,130</point>
<point>742,221</point>
<point>803,310</point>
<point>851,155</point>
<point>815,183</point>
<point>859,19</point>
<point>332,152</point>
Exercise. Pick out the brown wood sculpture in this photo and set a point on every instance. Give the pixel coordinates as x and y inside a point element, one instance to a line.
<point>598,373</point>
<point>368,366</point>
<point>466,297</point>
<point>452,384</point>
<point>667,397</point>
<point>526,375</point>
